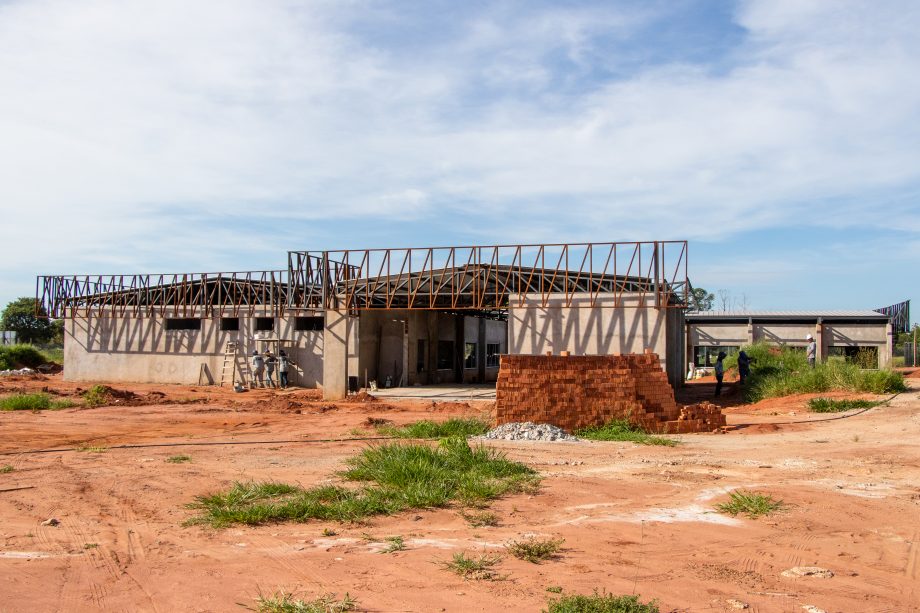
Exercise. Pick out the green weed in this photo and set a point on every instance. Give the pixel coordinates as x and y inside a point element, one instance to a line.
<point>622,430</point>
<point>600,603</point>
<point>752,504</point>
<point>827,405</point>
<point>178,459</point>
<point>6,468</point>
<point>396,543</point>
<point>480,519</point>
<point>283,602</point>
<point>21,356</point>
<point>458,426</point>
<point>92,449</point>
<point>480,569</point>
<point>535,550</point>
<point>554,589</point>
<point>33,402</point>
<point>782,371</point>
<point>396,477</point>
<point>91,546</point>
<point>97,395</point>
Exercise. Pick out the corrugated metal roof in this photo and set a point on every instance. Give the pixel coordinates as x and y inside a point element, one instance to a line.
<point>861,314</point>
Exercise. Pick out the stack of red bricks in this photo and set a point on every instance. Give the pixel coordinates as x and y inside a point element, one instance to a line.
<point>578,391</point>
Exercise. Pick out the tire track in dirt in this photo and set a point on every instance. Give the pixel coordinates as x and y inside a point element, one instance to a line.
<point>912,566</point>
<point>268,546</point>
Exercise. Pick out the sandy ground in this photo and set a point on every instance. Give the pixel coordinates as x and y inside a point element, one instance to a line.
<point>635,519</point>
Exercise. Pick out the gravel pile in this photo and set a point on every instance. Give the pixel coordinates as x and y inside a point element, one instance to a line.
<point>21,371</point>
<point>529,431</point>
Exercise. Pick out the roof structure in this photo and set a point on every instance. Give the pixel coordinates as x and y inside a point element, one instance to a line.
<point>487,279</point>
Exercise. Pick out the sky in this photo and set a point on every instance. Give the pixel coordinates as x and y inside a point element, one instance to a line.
<point>781,138</point>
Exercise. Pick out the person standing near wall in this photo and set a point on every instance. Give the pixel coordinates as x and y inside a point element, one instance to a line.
<point>284,365</point>
<point>270,363</point>
<point>811,351</point>
<point>720,372</point>
<point>744,366</point>
<point>258,366</point>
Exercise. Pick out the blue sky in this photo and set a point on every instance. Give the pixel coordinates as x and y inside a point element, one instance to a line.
<point>779,137</point>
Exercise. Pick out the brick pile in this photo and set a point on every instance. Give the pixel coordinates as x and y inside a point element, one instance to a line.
<point>579,391</point>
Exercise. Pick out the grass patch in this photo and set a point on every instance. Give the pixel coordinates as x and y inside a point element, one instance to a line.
<point>480,519</point>
<point>282,602</point>
<point>20,356</point>
<point>458,426</point>
<point>535,550</point>
<point>92,449</point>
<point>396,543</point>
<point>827,405</point>
<point>6,468</point>
<point>33,402</point>
<point>554,589</point>
<point>600,603</point>
<point>97,395</point>
<point>395,477</point>
<point>91,546</point>
<point>480,569</point>
<point>178,459</point>
<point>752,504</point>
<point>780,371</point>
<point>622,430</point>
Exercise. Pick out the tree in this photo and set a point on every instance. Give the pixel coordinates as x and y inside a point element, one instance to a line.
<point>28,320</point>
<point>701,300</point>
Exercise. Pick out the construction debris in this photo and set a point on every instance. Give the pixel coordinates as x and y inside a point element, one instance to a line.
<point>529,431</point>
<point>808,571</point>
<point>20,371</point>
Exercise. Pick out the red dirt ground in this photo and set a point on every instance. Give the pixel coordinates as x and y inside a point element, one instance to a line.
<point>635,519</point>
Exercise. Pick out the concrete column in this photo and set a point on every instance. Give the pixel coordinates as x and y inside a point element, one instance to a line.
<point>819,342</point>
<point>884,354</point>
<point>750,331</point>
<point>459,340</point>
<point>404,379</point>
<point>335,355</point>
<point>433,347</point>
<point>481,351</point>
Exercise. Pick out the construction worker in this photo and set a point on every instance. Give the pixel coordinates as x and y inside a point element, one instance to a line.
<point>258,367</point>
<point>270,363</point>
<point>284,365</point>
<point>720,372</point>
<point>811,352</point>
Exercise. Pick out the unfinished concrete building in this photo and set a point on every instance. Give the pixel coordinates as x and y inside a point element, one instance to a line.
<point>398,317</point>
<point>864,337</point>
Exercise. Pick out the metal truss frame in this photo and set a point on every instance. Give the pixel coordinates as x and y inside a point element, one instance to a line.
<point>487,279</point>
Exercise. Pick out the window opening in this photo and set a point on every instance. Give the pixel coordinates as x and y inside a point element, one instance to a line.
<point>469,355</point>
<point>183,323</point>
<point>445,355</point>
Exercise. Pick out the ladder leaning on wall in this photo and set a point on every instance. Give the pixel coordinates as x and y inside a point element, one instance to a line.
<point>229,366</point>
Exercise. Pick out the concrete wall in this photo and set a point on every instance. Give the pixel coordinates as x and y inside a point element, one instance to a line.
<point>142,350</point>
<point>828,334</point>
<point>598,330</point>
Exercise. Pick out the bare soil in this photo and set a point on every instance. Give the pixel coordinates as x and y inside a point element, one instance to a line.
<point>635,519</point>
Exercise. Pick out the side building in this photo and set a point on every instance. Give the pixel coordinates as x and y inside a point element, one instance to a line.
<point>863,337</point>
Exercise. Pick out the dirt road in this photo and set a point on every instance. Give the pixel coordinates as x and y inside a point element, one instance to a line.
<point>635,519</point>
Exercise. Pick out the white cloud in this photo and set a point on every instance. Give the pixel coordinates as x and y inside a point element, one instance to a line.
<point>138,133</point>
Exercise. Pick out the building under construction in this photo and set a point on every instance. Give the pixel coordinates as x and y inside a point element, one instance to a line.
<point>411,316</point>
